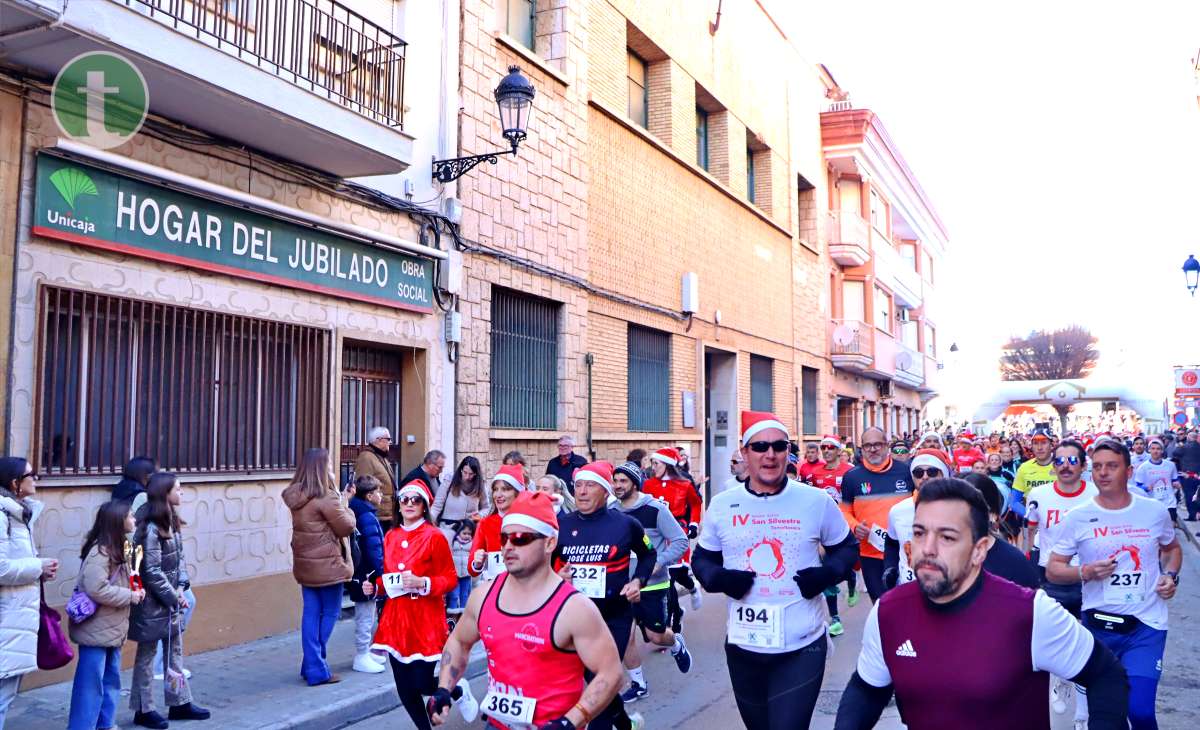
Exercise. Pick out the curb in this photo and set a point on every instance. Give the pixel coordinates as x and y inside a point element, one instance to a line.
<point>356,709</point>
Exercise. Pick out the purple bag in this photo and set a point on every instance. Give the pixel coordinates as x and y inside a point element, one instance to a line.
<point>53,649</point>
<point>81,607</point>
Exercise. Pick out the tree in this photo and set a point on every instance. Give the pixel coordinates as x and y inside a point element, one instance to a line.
<point>1059,354</point>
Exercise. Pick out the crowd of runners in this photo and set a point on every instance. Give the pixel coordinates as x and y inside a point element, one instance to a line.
<point>1009,578</point>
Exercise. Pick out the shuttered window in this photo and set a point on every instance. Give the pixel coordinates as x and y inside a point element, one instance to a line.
<point>197,391</point>
<point>649,379</point>
<point>524,361</point>
<point>762,392</point>
<point>808,399</point>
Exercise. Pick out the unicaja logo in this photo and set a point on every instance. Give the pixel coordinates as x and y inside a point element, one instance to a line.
<point>71,182</point>
<point>100,99</point>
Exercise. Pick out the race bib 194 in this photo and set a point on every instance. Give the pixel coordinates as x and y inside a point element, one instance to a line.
<point>755,625</point>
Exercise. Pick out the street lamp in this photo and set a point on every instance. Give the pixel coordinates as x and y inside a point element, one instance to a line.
<point>1191,273</point>
<point>514,99</point>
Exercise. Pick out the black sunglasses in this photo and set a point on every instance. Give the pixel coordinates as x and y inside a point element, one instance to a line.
<point>520,539</point>
<point>410,499</point>
<point>921,471</point>
<point>761,447</point>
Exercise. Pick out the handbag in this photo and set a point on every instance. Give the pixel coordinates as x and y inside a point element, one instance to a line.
<point>175,681</point>
<point>53,648</point>
<point>80,607</point>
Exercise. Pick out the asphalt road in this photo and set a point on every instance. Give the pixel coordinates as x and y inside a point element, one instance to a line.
<point>702,699</point>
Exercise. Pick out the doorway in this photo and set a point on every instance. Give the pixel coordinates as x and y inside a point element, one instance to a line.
<point>720,418</point>
<point>371,387</point>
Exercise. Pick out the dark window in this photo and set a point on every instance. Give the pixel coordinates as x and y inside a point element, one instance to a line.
<point>639,100</point>
<point>524,361</point>
<point>762,392</point>
<point>808,399</point>
<point>371,387</point>
<point>702,138</point>
<point>198,391</point>
<point>519,20</point>
<point>649,379</point>
<point>750,175</point>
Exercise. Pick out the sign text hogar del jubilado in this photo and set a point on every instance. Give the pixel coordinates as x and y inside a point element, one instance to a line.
<point>94,207</point>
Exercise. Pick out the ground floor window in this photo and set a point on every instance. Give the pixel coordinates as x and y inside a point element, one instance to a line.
<point>196,390</point>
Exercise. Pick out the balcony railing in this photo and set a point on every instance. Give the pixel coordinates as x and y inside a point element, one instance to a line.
<point>320,45</point>
<point>910,365</point>
<point>850,337</point>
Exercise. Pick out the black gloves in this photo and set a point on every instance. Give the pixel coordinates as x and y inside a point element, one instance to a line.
<point>439,701</point>
<point>814,580</point>
<point>693,531</point>
<point>561,723</point>
<point>734,583</point>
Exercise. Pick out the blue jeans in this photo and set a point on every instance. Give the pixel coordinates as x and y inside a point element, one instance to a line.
<point>456,599</point>
<point>322,606</point>
<point>8,693</point>
<point>96,688</point>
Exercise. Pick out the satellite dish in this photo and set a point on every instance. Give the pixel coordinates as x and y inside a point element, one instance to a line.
<point>904,361</point>
<point>843,335</point>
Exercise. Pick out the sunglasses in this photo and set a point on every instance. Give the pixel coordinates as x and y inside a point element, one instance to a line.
<point>410,499</point>
<point>761,447</point>
<point>900,452</point>
<point>1072,460</point>
<point>922,471</point>
<point>519,539</point>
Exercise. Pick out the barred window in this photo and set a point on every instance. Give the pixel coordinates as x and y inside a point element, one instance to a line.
<point>195,390</point>
<point>524,361</point>
<point>649,379</point>
<point>808,397</point>
<point>762,392</point>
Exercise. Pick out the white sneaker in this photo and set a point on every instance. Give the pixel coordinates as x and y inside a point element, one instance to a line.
<point>187,673</point>
<point>364,663</point>
<point>467,705</point>
<point>1060,692</point>
<point>637,721</point>
<point>697,598</point>
<point>1081,725</point>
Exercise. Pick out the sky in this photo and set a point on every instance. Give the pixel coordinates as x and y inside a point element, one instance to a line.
<point>1059,142</point>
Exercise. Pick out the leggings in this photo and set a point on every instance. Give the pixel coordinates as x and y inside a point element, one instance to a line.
<point>614,714</point>
<point>1142,693</point>
<point>831,594</point>
<point>777,691</point>
<point>680,575</point>
<point>415,681</point>
<point>872,570</point>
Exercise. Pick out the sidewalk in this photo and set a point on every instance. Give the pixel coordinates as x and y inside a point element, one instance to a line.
<point>248,687</point>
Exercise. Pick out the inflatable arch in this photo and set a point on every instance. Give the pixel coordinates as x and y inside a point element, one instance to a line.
<point>1068,393</point>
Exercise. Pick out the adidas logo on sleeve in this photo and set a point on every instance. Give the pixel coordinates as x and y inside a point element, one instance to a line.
<point>906,649</point>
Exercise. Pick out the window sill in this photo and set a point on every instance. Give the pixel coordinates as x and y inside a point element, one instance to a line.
<point>110,480</point>
<point>646,436</point>
<point>700,172</point>
<point>540,63</point>
<point>523,434</point>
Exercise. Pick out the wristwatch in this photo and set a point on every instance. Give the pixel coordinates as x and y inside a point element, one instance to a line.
<point>1174,575</point>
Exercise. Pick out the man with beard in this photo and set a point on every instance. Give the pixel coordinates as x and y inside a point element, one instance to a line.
<point>962,648</point>
<point>869,492</point>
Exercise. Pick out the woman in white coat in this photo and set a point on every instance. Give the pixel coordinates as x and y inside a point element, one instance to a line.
<point>21,570</point>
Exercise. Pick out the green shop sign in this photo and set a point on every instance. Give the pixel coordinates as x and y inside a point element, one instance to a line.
<point>93,207</point>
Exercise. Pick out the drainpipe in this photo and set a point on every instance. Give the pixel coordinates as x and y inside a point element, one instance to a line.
<point>588,360</point>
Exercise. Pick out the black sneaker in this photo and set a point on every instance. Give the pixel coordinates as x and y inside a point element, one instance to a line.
<point>189,711</point>
<point>635,692</point>
<point>150,719</point>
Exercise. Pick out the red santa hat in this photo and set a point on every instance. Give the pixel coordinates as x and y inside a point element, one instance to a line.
<point>831,440</point>
<point>513,475</point>
<point>930,458</point>
<point>754,422</point>
<point>416,487</point>
<point>600,472</point>
<point>966,436</point>
<point>666,455</point>
<point>534,510</point>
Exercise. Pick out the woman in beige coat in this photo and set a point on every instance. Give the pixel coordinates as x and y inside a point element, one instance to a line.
<point>104,577</point>
<point>321,524</point>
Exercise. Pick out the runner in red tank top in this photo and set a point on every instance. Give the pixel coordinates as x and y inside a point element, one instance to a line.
<point>536,680</point>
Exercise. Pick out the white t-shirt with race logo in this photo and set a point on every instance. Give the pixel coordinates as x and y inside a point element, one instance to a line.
<point>775,536</point>
<point>1133,535</point>
<point>900,528</point>
<point>1047,507</point>
<point>1158,480</point>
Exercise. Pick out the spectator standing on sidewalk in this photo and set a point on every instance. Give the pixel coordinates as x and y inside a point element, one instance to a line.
<point>158,618</point>
<point>373,461</point>
<point>418,573</point>
<point>132,487</point>
<point>429,471</point>
<point>559,494</point>
<point>321,524</point>
<point>460,550</point>
<point>1187,458</point>
<point>21,571</point>
<point>370,567</point>
<point>564,465</point>
<point>464,499</point>
<point>104,577</point>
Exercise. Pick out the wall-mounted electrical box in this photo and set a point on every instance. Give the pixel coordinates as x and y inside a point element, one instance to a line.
<point>691,293</point>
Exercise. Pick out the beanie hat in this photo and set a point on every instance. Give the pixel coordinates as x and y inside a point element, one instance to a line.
<point>534,510</point>
<point>754,422</point>
<point>633,471</point>
<point>417,487</point>
<point>1156,440</point>
<point>666,455</point>
<point>598,471</point>
<point>930,458</point>
<point>513,475</point>
<point>833,441</point>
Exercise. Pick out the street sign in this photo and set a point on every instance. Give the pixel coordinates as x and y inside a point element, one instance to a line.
<point>1187,382</point>
<point>1180,418</point>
